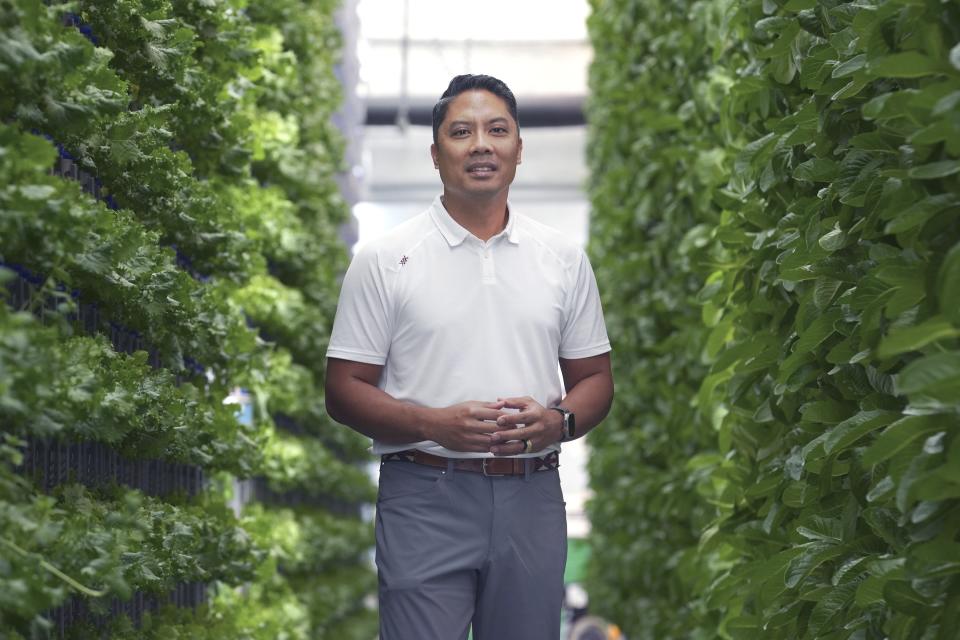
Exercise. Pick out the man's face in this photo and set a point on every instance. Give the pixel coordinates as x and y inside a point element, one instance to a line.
<point>478,146</point>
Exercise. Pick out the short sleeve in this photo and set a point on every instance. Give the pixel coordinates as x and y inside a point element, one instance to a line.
<point>361,327</point>
<point>584,333</point>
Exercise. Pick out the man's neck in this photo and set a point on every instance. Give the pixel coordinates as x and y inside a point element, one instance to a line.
<point>483,218</point>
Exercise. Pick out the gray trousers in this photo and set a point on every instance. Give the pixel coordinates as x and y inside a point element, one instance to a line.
<point>456,548</point>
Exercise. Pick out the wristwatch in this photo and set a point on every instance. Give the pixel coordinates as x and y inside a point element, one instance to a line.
<point>569,423</point>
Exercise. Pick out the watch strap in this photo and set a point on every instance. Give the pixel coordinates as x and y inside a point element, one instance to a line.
<point>568,432</point>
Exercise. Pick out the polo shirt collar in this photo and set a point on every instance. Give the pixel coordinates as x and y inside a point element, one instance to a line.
<point>455,234</point>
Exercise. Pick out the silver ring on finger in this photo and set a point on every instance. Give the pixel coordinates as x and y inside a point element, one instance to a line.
<point>527,446</point>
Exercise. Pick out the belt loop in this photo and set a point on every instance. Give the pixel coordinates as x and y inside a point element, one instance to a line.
<point>450,466</point>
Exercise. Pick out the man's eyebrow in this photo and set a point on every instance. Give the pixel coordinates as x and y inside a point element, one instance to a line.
<point>498,119</point>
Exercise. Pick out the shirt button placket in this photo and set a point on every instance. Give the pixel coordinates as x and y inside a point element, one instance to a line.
<point>489,275</point>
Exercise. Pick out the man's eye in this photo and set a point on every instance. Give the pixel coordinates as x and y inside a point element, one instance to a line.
<point>460,132</point>
<point>499,130</point>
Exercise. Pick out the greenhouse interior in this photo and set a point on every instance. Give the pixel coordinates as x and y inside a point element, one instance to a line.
<point>767,193</point>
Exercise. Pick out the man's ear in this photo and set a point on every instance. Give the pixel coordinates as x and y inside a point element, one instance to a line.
<point>519,150</point>
<point>434,155</point>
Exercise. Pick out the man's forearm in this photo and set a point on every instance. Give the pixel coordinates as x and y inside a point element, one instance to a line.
<point>355,399</point>
<point>375,413</point>
<point>590,401</point>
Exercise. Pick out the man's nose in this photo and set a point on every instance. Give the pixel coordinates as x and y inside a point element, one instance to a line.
<point>480,143</point>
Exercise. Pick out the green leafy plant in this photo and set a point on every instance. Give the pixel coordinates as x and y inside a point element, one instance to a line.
<point>80,389</point>
<point>293,462</point>
<point>811,437</point>
<point>77,542</point>
<point>202,136</point>
<point>48,224</point>
<point>285,532</point>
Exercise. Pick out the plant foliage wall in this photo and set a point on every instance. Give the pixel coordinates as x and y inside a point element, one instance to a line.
<point>776,189</point>
<point>167,174</point>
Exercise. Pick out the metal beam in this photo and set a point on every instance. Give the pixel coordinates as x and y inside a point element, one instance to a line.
<point>556,111</point>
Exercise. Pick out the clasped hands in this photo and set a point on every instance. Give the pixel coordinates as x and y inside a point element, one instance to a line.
<point>485,427</point>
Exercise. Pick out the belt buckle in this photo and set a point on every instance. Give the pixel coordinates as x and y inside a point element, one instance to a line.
<point>483,467</point>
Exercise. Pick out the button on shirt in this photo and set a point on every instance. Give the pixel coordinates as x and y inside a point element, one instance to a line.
<point>452,318</point>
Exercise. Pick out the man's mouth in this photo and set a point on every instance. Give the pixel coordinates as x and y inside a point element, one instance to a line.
<point>481,168</point>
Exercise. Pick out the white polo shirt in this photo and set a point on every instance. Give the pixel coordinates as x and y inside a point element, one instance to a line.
<point>452,318</point>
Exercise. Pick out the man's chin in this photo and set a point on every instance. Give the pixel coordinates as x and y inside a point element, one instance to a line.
<point>485,189</point>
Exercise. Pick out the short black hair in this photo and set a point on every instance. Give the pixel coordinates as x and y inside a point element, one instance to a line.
<point>468,82</point>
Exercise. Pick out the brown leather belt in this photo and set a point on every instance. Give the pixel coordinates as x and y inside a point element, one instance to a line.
<point>486,466</point>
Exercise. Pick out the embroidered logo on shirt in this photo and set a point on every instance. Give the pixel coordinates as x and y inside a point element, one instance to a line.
<point>403,260</point>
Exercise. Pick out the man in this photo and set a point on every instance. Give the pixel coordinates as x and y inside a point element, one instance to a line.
<point>444,351</point>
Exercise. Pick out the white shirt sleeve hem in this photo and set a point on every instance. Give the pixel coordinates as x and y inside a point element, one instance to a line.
<point>356,356</point>
<point>586,352</point>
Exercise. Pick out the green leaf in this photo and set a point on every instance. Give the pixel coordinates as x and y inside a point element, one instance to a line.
<point>849,67</point>
<point>943,554</point>
<point>875,107</point>
<point>124,151</point>
<point>848,567</point>
<point>918,213</point>
<point>932,489</point>
<point>870,591</point>
<point>825,411</point>
<point>712,286</point>
<point>948,285</point>
<point>824,290</point>
<point>817,170</point>
<point>818,331</point>
<point>833,240</point>
<point>881,489</point>
<point>830,605</point>
<point>901,273</point>
<point>852,429</point>
<point>755,154</point>
<point>902,597</point>
<point>823,529</point>
<point>883,522</point>
<point>764,487</point>
<point>742,626</point>
<point>889,106</point>
<point>814,555</point>
<point>916,337</point>
<point>937,372</point>
<point>899,435</point>
<point>786,34</point>
<point>935,132</point>
<point>842,353</point>
<point>743,352</point>
<point>908,64</point>
<point>946,104</point>
<point>857,175</point>
<point>850,89</point>
<point>36,191</point>
<point>816,68</point>
<point>935,170</point>
<point>871,141</point>
<point>798,494</point>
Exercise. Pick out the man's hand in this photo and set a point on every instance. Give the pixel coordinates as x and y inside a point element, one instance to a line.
<point>534,422</point>
<point>466,426</point>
